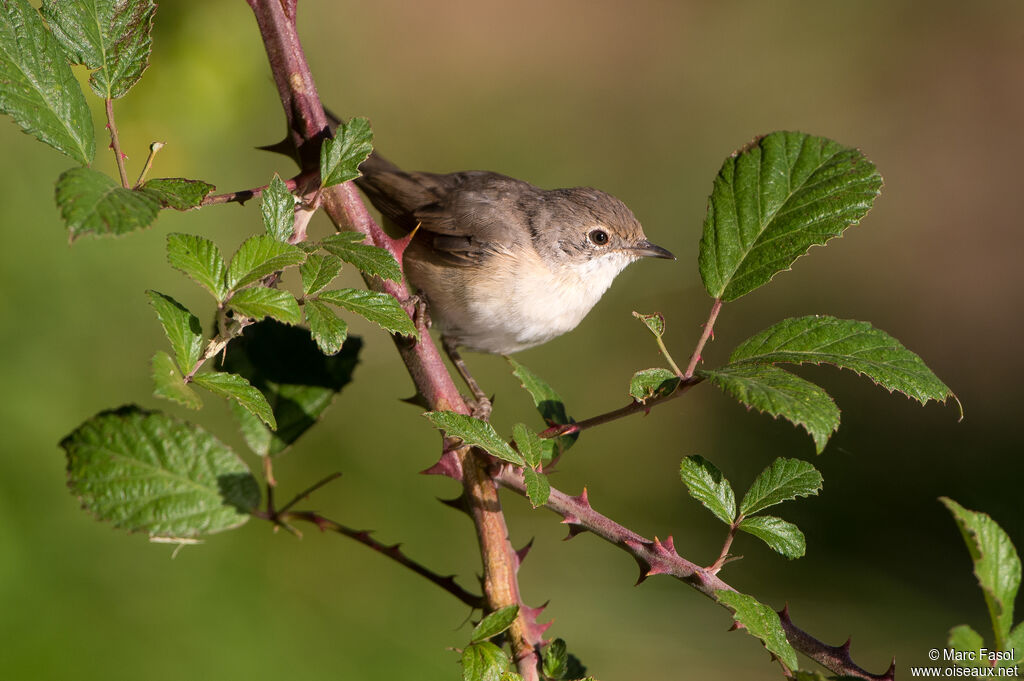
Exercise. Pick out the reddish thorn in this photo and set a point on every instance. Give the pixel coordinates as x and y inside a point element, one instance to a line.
<point>846,646</point>
<point>890,673</point>
<point>575,530</point>
<point>583,499</point>
<point>665,548</point>
<point>448,465</point>
<point>734,627</point>
<point>521,553</point>
<point>124,156</point>
<point>784,614</point>
<point>712,334</point>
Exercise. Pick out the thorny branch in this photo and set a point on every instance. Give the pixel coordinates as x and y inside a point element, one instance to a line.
<point>308,126</point>
<point>657,557</point>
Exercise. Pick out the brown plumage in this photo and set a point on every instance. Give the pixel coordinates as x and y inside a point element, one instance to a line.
<point>505,265</point>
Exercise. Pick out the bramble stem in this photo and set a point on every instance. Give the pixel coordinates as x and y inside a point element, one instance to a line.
<point>660,558</point>
<point>304,494</point>
<point>393,552</point>
<point>622,412</point>
<point>709,328</point>
<point>686,381</point>
<point>723,556</point>
<point>308,126</point>
<point>115,143</point>
<point>297,182</point>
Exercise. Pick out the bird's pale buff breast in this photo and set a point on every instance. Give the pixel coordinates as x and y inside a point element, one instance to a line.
<point>517,301</point>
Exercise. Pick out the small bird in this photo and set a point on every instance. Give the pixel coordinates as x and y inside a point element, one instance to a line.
<point>504,265</point>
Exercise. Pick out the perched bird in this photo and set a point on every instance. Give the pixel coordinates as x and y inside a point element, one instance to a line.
<point>504,265</point>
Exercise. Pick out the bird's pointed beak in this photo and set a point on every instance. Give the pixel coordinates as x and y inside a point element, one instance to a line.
<point>645,249</point>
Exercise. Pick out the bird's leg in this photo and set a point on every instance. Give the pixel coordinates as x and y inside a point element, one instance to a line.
<point>481,405</point>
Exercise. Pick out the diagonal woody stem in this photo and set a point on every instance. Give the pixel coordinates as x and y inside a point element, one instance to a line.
<point>308,126</point>
<point>660,558</point>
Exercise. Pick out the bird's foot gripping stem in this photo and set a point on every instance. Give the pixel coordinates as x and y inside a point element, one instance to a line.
<point>481,404</point>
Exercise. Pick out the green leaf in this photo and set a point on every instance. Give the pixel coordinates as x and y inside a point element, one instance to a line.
<point>340,157</point>
<point>779,393</point>
<point>996,565</point>
<point>538,489</point>
<point>483,661</point>
<point>551,407</point>
<point>555,660</point>
<point>495,623</point>
<point>529,445</point>
<point>847,344</point>
<point>259,301</point>
<point>298,381</point>
<point>259,256</point>
<point>1015,642</point>
<point>379,308</point>
<point>651,383</point>
<point>773,200</point>
<point>200,259</point>
<point>89,201</point>
<point>110,37</point>
<point>278,209</point>
<point>182,329</point>
<point>707,485</point>
<point>318,272</point>
<point>235,387</point>
<point>783,537</point>
<point>169,384</point>
<point>963,639</point>
<point>761,622</point>
<point>328,331</point>
<point>655,322</point>
<point>475,432</point>
<point>782,480</point>
<point>39,91</point>
<point>370,259</point>
<point>177,192</point>
<point>146,471</point>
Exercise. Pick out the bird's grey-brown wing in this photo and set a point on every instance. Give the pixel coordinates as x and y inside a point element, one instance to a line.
<point>462,216</point>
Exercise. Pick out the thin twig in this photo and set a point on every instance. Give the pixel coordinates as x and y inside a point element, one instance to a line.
<point>686,381</point>
<point>723,555</point>
<point>153,149</point>
<point>622,412</point>
<point>709,329</point>
<point>115,143</point>
<point>668,356</point>
<point>309,490</point>
<point>297,182</point>
<point>660,557</point>
<point>446,582</point>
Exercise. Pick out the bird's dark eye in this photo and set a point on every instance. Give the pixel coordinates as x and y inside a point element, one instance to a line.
<point>599,237</point>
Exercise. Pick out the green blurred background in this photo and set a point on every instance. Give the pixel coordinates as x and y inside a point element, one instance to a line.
<point>642,99</point>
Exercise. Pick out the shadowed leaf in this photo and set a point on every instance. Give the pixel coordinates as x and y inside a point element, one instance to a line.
<point>779,393</point>
<point>298,381</point>
<point>91,202</point>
